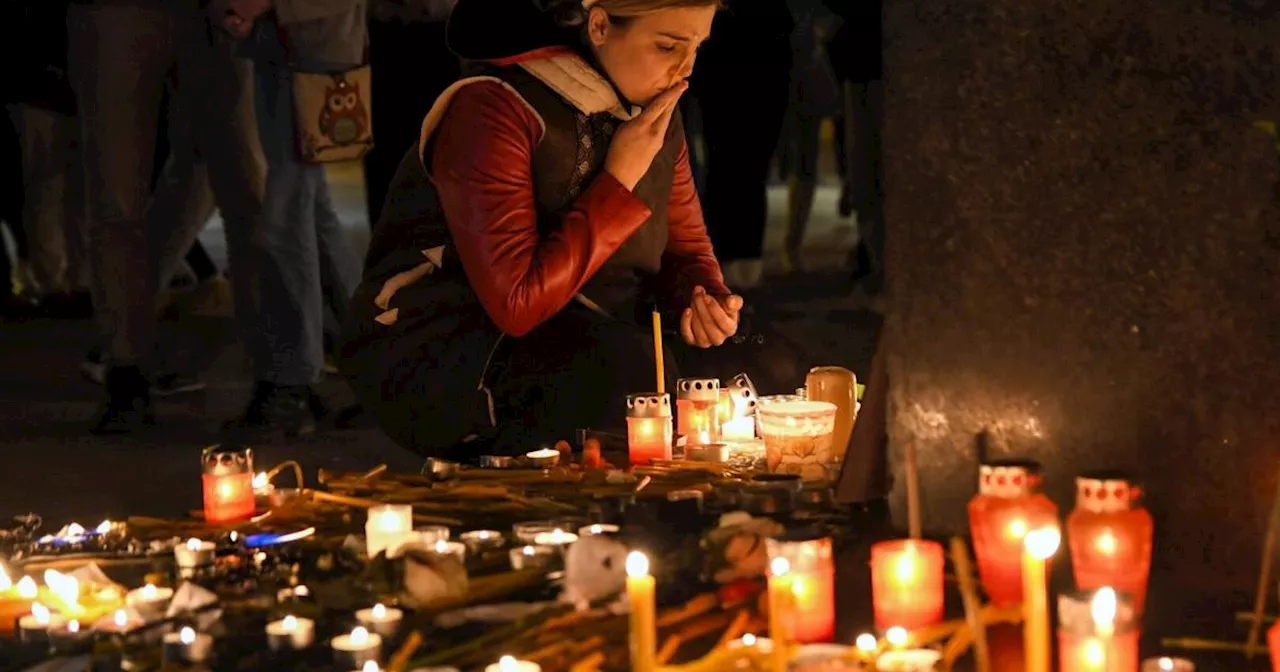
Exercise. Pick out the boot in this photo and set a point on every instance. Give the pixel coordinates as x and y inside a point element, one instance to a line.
<point>128,405</point>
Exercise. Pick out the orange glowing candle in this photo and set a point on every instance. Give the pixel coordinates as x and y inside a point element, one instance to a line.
<point>906,583</point>
<point>1273,641</point>
<point>648,428</point>
<point>228,484</point>
<point>1039,545</point>
<point>1008,504</point>
<point>1096,633</point>
<point>781,612</point>
<point>812,586</point>
<point>644,619</point>
<point>1110,535</point>
<point>698,410</point>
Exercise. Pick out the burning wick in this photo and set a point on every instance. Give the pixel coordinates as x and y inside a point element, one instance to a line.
<point>359,636</point>
<point>867,643</point>
<point>103,527</point>
<point>187,636</point>
<point>41,613</point>
<point>120,618</point>
<point>27,588</point>
<point>149,592</point>
<point>748,639</point>
<point>897,636</point>
<point>370,666</point>
<point>194,544</point>
<point>73,627</point>
<point>379,611</point>
<point>290,623</point>
<point>508,664</point>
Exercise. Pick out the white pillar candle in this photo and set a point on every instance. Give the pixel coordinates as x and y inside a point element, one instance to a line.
<point>510,664</point>
<point>356,649</point>
<point>290,633</point>
<point>187,646</point>
<point>194,553</point>
<point>381,619</point>
<point>149,600</point>
<point>389,527</point>
<point>35,626</point>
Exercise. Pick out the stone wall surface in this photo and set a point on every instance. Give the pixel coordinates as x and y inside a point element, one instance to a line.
<point>1084,255</point>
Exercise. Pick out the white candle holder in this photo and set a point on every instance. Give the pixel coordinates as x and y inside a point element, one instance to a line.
<point>194,554</point>
<point>383,620</point>
<point>353,650</point>
<point>187,646</point>
<point>525,532</point>
<point>291,633</point>
<point>543,458</point>
<point>482,540</point>
<point>388,528</point>
<point>150,601</point>
<point>533,557</point>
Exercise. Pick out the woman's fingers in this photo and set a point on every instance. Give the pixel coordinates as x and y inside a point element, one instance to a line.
<point>686,327</point>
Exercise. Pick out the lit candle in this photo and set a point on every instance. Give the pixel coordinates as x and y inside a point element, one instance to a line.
<point>187,646</point>
<point>557,538</point>
<point>194,553</point>
<point>34,627</point>
<point>1008,503</point>
<point>120,620</point>
<point>868,646</point>
<point>526,531</point>
<point>510,664</point>
<point>149,599</point>
<point>644,623</point>
<point>649,432</point>
<point>67,637</point>
<point>388,528</point>
<point>1110,535</point>
<point>533,557</point>
<point>65,589</point>
<point>1103,610</point>
<point>897,637</point>
<point>750,641</point>
<point>228,484</point>
<point>543,458</point>
<point>598,529</point>
<point>370,666</point>
<point>356,649</point>
<point>1166,664</point>
<point>453,549</point>
<point>906,583</point>
<point>697,410</point>
<point>1273,642</point>
<point>291,633</point>
<point>1039,545</point>
<point>430,534</point>
<point>910,660</point>
<point>738,430</point>
<point>26,588</point>
<point>482,540</point>
<point>1097,632</point>
<point>380,619</point>
<point>813,587</point>
<point>781,611</point>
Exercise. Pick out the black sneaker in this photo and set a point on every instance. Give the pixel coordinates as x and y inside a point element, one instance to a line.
<point>275,411</point>
<point>128,406</point>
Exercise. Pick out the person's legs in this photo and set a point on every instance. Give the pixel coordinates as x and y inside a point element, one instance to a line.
<point>866,178</point>
<point>803,185</point>
<point>44,145</point>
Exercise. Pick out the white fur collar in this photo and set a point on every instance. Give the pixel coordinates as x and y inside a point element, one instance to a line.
<point>579,84</point>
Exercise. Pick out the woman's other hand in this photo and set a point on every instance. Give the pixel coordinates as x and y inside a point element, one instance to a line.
<point>710,320</point>
<point>637,141</point>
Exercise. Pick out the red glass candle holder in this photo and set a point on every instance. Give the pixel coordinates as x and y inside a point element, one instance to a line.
<point>698,410</point>
<point>228,483</point>
<point>1110,534</point>
<point>1008,503</point>
<point>649,431</point>
<point>813,582</point>
<point>1273,641</point>
<point>1085,645</point>
<point>906,583</point>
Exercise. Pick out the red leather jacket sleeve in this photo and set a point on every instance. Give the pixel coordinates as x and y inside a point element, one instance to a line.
<point>482,169</point>
<point>688,260</point>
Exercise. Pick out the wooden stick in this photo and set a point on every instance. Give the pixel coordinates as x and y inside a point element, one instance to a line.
<point>735,628</point>
<point>1197,644</point>
<point>297,472</point>
<point>373,473</point>
<point>401,660</point>
<point>972,605</point>
<point>913,492</point>
<point>1264,577</point>
<point>589,664</point>
<point>669,648</point>
<point>364,503</point>
<point>657,353</point>
<point>1247,617</point>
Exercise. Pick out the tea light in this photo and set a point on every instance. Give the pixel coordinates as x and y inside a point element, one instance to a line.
<point>1168,665</point>
<point>897,637</point>
<point>910,660</point>
<point>453,549</point>
<point>906,583</point>
<point>510,664</point>
<point>388,528</point>
<point>291,633</point>
<point>482,540</point>
<point>527,531</point>
<point>149,599</point>
<point>227,483</point>
<point>556,537</point>
<point>187,646</point>
<point>35,627</point>
<point>649,431</point>
<point>533,557</point>
<point>543,458</point>
<point>356,649</point>
<point>867,646</point>
<point>380,619</point>
<point>430,534</point>
<point>121,620</point>
<point>598,529</point>
<point>194,553</point>
<point>749,641</point>
<point>67,636</point>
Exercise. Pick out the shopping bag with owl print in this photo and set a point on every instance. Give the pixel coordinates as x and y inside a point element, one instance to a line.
<point>333,115</point>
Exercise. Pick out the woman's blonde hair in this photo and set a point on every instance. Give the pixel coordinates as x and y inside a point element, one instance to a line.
<point>573,13</point>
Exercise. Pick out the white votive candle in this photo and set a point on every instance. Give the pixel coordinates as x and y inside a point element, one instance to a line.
<point>187,646</point>
<point>194,553</point>
<point>558,538</point>
<point>430,534</point>
<point>389,527</point>
<point>35,626</point>
<point>356,649</point>
<point>291,633</point>
<point>150,599</point>
<point>453,549</point>
<point>381,619</point>
<point>532,557</point>
<point>481,540</point>
<point>543,458</point>
<point>510,664</point>
<point>598,529</point>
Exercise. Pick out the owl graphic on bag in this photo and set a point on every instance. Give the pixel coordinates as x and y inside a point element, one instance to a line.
<point>343,118</point>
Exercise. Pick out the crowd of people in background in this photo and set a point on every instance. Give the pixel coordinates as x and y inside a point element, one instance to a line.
<point>133,121</point>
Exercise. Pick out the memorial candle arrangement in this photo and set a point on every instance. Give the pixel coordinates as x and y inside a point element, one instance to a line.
<point>906,583</point>
<point>1008,504</point>
<point>1110,535</point>
<point>698,410</point>
<point>812,578</point>
<point>388,528</point>
<point>228,483</point>
<point>649,430</point>
<point>1097,633</point>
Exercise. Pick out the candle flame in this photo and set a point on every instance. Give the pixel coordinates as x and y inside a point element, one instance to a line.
<point>120,618</point>
<point>75,530</point>
<point>149,592</point>
<point>442,546</point>
<point>1106,543</point>
<point>897,636</point>
<point>1166,663</point>
<point>1095,655</point>
<point>508,664</point>
<point>27,588</point>
<point>637,564</point>
<point>596,529</point>
<point>1043,543</point>
<point>66,587</point>
<point>5,582</point>
<point>103,527</point>
<point>359,636</point>
<point>704,438</point>
<point>226,489</point>
<point>290,623</point>
<point>527,550</point>
<point>194,544</point>
<point>1018,529</point>
<point>1103,609</point>
<point>748,639</point>
<point>379,611</point>
<point>41,613</point>
<point>867,643</point>
<point>370,666</point>
<point>187,636</point>
<point>260,481</point>
<point>73,627</point>
<point>233,536</point>
<point>905,568</point>
<point>779,566</point>
<point>301,591</point>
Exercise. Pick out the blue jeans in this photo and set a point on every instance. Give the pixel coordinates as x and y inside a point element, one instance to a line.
<point>308,264</point>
